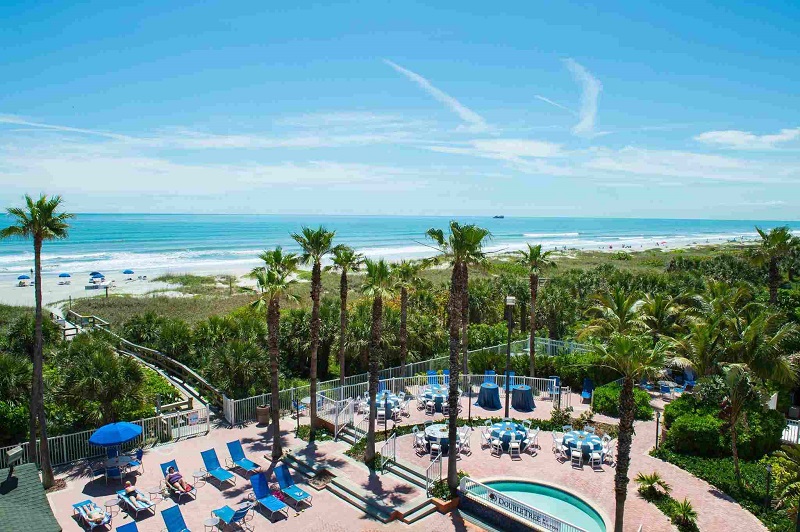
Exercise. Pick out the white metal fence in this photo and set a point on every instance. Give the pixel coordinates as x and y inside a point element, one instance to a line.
<point>791,434</point>
<point>155,430</point>
<point>493,498</point>
<point>388,452</point>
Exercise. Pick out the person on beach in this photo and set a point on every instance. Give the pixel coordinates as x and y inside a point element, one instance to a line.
<point>175,479</point>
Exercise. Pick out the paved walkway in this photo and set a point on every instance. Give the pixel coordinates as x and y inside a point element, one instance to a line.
<point>329,513</point>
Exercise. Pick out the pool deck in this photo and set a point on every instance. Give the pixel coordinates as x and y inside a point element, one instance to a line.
<point>329,513</point>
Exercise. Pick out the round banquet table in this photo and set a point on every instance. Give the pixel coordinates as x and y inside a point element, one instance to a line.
<point>591,442</point>
<point>387,397</point>
<point>522,398</point>
<point>489,396</point>
<point>438,394</point>
<point>504,429</point>
<point>438,432</point>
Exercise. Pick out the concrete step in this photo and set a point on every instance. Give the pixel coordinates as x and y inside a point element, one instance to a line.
<point>301,464</point>
<point>395,469</point>
<point>349,492</point>
<point>422,511</point>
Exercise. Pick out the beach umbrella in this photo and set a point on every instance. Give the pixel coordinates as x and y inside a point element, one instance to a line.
<point>127,272</point>
<point>21,277</point>
<point>115,434</point>
<point>92,274</point>
<point>95,275</point>
<point>64,275</point>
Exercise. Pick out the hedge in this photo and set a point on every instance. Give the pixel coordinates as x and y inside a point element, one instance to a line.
<point>606,401</point>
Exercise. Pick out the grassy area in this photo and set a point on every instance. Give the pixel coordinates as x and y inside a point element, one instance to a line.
<point>118,309</point>
<point>9,314</point>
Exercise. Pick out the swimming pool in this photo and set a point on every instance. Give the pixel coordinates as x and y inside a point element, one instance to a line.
<point>556,502</point>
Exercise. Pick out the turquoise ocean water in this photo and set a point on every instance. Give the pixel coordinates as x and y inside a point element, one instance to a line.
<point>145,242</point>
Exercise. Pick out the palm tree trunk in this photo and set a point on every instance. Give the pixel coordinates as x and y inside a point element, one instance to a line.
<point>342,324</point>
<point>374,356</point>
<point>38,378</point>
<point>627,409</point>
<point>534,285</point>
<point>456,308</point>
<point>273,328</point>
<point>465,317</point>
<point>316,281</point>
<point>735,451</point>
<point>774,280</point>
<point>403,329</point>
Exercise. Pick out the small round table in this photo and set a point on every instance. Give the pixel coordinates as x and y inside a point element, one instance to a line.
<point>489,396</point>
<point>199,475</point>
<point>156,491</point>
<point>110,504</point>
<point>522,398</point>
<point>211,522</point>
<point>590,442</point>
<point>504,429</point>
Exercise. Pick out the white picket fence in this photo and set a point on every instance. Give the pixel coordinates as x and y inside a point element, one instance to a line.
<point>155,430</point>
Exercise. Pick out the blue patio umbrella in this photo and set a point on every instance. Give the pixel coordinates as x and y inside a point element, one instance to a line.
<point>95,275</point>
<point>64,275</point>
<point>23,277</point>
<point>128,272</point>
<point>115,434</point>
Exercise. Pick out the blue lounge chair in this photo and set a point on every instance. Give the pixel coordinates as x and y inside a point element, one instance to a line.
<point>238,458</point>
<point>288,487</point>
<point>666,392</point>
<point>164,468</point>
<point>433,378</point>
<point>489,376</point>
<point>130,527</point>
<point>265,498</point>
<point>137,460</point>
<point>82,509</point>
<point>446,373</point>
<point>229,516</point>
<point>298,408</point>
<point>141,503</point>
<point>588,388</point>
<point>173,518</point>
<point>213,468</point>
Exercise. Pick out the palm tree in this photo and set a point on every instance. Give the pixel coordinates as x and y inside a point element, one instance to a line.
<point>740,391</point>
<point>662,315</point>
<point>775,246</point>
<point>614,312</point>
<point>345,259</point>
<point>274,280</point>
<point>406,276</point>
<point>377,285</point>
<point>759,340</point>
<point>787,490</point>
<point>652,485</point>
<point>40,221</point>
<point>462,246</point>
<point>631,357</point>
<point>703,348</point>
<point>535,262</point>
<point>315,243</point>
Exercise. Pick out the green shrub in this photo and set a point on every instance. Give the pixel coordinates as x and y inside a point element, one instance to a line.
<point>695,434</point>
<point>606,401</point>
<point>761,435</point>
<point>14,421</point>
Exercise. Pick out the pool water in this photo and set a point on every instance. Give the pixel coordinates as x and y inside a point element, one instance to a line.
<point>555,502</point>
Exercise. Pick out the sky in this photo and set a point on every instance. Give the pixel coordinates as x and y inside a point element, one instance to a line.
<point>619,109</point>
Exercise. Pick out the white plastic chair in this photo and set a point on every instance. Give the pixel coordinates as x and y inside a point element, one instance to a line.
<point>464,444</point>
<point>436,448</point>
<point>430,408</point>
<point>514,447</point>
<point>381,415</point>
<point>485,440</point>
<point>445,409</point>
<point>557,439</point>
<point>497,446</point>
<point>527,424</point>
<point>404,408</point>
<point>532,441</point>
<point>427,423</point>
<point>588,428</point>
<point>596,459</point>
<point>608,452</point>
<point>576,456</point>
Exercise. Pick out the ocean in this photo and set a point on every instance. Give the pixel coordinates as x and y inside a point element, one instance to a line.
<point>145,243</point>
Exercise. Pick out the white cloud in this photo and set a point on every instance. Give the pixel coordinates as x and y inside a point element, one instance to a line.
<point>503,149</point>
<point>475,122</point>
<point>16,120</point>
<point>591,88</point>
<point>745,140</point>
<point>555,104</point>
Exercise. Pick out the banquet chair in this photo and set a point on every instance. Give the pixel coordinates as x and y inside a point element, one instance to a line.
<point>514,446</point>
<point>436,448</point>
<point>430,408</point>
<point>497,446</point>
<point>576,455</point>
<point>588,428</point>
<point>445,409</point>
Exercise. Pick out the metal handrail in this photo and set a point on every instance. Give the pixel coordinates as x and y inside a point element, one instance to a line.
<point>388,452</point>
<point>433,470</point>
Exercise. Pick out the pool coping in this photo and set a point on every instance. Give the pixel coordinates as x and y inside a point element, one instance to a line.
<point>609,525</point>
